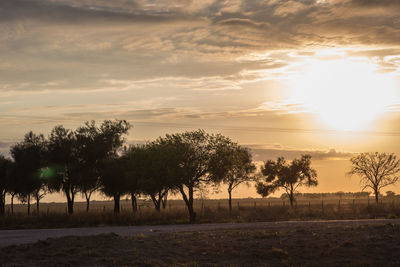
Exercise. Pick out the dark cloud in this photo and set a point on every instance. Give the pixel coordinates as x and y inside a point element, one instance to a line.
<point>65,12</point>
<point>376,3</point>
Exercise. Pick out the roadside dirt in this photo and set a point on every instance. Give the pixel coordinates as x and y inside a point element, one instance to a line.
<point>290,244</point>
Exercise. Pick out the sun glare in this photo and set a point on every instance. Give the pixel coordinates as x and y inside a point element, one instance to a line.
<point>346,95</point>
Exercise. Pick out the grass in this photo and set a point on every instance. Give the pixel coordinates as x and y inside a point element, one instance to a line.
<point>210,211</point>
<point>296,245</point>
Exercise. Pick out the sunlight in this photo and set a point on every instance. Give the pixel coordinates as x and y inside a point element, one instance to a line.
<point>346,95</point>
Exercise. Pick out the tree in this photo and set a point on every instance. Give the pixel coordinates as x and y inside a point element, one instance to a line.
<point>12,185</point>
<point>113,181</point>
<point>289,176</point>
<point>189,163</point>
<point>155,179</point>
<point>377,170</point>
<point>231,164</point>
<point>29,158</point>
<point>112,167</point>
<point>90,155</point>
<point>390,194</point>
<point>5,168</point>
<point>137,165</point>
<point>63,164</point>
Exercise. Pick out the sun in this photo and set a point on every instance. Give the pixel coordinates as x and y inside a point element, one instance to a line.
<point>345,95</point>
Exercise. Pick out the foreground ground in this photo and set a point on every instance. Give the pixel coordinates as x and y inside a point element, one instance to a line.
<point>365,243</point>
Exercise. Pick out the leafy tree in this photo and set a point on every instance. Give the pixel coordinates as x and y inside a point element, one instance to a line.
<point>12,185</point>
<point>113,180</point>
<point>90,155</point>
<point>63,164</point>
<point>156,180</point>
<point>5,167</point>
<point>231,164</point>
<point>137,167</point>
<point>289,176</point>
<point>189,163</point>
<point>377,170</point>
<point>29,158</point>
<point>112,167</point>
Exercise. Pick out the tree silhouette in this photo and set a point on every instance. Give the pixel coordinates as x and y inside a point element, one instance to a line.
<point>5,168</point>
<point>377,170</point>
<point>63,164</point>
<point>289,176</point>
<point>231,164</point>
<point>189,163</point>
<point>90,154</point>
<point>113,180</point>
<point>156,180</point>
<point>29,158</point>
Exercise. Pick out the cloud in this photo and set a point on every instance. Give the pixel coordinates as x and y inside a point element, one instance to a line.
<point>263,154</point>
<point>84,42</point>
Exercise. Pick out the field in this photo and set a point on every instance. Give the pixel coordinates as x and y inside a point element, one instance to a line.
<point>54,215</point>
<point>323,244</point>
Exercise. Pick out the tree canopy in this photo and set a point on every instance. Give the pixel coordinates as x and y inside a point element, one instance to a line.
<point>289,176</point>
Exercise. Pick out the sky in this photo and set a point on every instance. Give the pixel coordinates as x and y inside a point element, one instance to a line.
<point>283,77</point>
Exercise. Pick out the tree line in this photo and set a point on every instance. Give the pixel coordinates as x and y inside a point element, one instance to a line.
<point>95,158</point>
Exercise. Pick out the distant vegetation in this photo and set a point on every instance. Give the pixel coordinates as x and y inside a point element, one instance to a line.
<point>95,158</point>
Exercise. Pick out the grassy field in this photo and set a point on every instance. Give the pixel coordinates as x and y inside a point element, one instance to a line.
<point>244,210</point>
<point>300,245</point>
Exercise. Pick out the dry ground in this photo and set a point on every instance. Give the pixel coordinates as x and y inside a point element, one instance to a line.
<point>343,244</point>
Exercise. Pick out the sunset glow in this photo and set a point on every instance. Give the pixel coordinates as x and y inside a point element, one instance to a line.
<point>346,95</point>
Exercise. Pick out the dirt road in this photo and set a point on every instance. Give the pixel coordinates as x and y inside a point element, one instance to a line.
<point>16,237</point>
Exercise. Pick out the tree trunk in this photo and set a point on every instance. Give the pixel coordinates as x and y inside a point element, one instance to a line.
<point>291,198</point>
<point>134,202</point>
<point>189,202</point>
<point>157,202</point>
<point>12,203</point>
<point>87,204</point>
<point>116,203</point>
<point>2,203</point>
<point>70,201</point>
<point>37,205</point>
<point>376,196</point>
<point>87,196</point>
<point>164,201</point>
<point>29,204</point>
<point>230,200</point>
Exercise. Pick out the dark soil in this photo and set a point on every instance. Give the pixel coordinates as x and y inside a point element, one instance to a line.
<point>319,245</point>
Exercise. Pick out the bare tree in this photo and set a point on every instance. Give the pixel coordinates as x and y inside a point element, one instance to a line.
<point>377,170</point>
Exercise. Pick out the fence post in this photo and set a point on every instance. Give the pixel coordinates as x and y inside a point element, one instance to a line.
<point>322,205</point>
<point>309,205</point>
<point>339,206</point>
<point>269,204</point>
<point>255,205</point>
<point>219,205</point>
<point>238,206</point>
<point>353,206</point>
